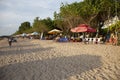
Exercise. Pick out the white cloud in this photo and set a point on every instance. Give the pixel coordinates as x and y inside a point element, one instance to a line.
<point>14,12</point>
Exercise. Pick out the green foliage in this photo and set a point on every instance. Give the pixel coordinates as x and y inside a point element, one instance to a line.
<point>39,26</point>
<point>49,23</point>
<point>90,12</point>
<point>43,25</point>
<point>115,27</point>
<point>23,27</point>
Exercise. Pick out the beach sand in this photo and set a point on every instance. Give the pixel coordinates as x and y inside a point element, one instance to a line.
<point>49,60</point>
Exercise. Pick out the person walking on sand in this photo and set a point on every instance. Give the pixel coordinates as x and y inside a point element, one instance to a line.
<point>10,42</point>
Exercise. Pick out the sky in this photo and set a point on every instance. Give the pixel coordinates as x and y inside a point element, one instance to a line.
<point>15,12</point>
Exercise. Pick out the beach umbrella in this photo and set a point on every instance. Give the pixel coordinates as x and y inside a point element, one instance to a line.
<point>83,28</point>
<point>23,35</point>
<point>74,29</point>
<point>54,31</point>
<point>34,33</point>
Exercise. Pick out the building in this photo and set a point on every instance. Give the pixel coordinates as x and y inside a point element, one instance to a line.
<point>110,22</point>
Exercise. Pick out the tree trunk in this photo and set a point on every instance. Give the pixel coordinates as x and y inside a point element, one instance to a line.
<point>41,36</point>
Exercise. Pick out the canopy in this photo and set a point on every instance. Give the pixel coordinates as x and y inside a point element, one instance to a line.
<point>83,28</point>
<point>54,31</point>
<point>34,33</point>
<point>24,34</point>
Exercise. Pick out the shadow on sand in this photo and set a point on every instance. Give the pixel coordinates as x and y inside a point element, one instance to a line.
<point>15,45</point>
<point>24,50</point>
<point>50,69</point>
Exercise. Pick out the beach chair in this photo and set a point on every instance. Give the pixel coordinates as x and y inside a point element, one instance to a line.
<point>90,40</point>
<point>87,40</point>
<point>94,41</point>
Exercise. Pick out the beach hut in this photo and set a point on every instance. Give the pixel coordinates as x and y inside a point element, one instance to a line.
<point>110,22</point>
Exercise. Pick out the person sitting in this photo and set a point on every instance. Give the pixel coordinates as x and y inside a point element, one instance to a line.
<point>72,39</point>
<point>111,40</point>
<point>57,38</point>
<point>81,38</point>
<point>86,40</point>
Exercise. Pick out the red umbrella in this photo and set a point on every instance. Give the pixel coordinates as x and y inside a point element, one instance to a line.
<point>83,28</point>
<point>74,29</point>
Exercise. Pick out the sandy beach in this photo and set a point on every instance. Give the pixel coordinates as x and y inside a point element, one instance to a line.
<point>49,60</point>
